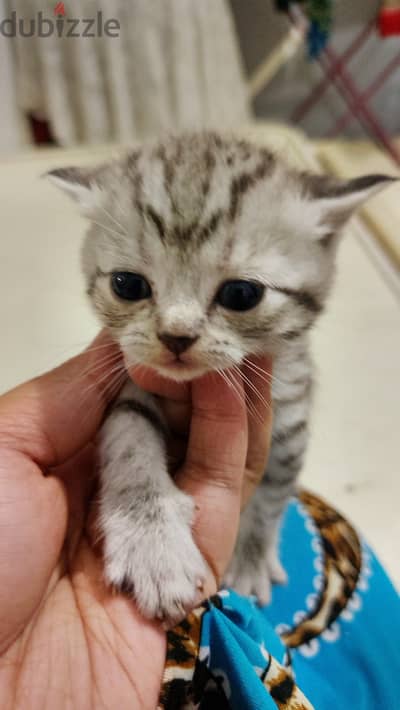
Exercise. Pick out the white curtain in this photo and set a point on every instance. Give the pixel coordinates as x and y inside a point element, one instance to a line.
<point>175,65</point>
<point>13,133</point>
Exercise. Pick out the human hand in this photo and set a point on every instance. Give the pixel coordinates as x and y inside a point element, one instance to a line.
<point>66,640</point>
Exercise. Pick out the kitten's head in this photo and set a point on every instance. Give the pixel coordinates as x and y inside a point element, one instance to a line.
<point>202,250</point>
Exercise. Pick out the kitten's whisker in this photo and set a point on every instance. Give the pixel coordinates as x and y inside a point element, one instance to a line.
<point>98,385</point>
<point>92,368</point>
<point>251,385</point>
<point>119,368</point>
<point>108,229</point>
<point>240,395</point>
<point>253,411</point>
<point>110,216</point>
<point>107,361</point>
<point>76,349</point>
<point>254,389</point>
<point>104,346</point>
<point>109,389</point>
<point>111,392</point>
<point>263,374</point>
<point>137,365</point>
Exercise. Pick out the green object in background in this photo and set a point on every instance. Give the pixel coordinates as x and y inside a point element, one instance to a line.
<point>320,14</point>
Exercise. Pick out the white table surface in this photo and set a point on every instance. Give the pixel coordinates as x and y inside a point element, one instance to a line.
<point>353,458</point>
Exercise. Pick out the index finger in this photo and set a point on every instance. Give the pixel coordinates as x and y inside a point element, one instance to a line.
<point>150,380</point>
<point>53,416</point>
<point>257,376</point>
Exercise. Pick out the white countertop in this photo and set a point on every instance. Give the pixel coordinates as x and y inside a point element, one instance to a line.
<point>353,458</point>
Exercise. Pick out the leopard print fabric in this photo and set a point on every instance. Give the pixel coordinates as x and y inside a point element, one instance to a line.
<point>189,682</point>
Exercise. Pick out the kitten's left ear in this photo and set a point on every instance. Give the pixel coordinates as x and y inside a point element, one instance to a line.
<point>337,200</point>
<point>79,183</point>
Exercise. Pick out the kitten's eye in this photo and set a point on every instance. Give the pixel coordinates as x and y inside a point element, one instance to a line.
<point>130,287</point>
<point>240,295</point>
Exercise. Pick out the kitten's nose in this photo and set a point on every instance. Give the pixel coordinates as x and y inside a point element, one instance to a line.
<point>177,344</point>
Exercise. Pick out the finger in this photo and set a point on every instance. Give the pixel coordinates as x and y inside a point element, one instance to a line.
<point>33,519</point>
<point>176,453</point>
<point>79,477</point>
<point>257,382</point>
<point>149,380</point>
<point>53,416</point>
<point>177,415</point>
<point>174,397</point>
<point>214,467</point>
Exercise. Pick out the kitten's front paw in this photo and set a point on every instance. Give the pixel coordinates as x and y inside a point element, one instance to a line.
<point>254,576</point>
<point>153,558</point>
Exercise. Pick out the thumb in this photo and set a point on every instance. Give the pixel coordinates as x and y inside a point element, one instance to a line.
<point>214,467</point>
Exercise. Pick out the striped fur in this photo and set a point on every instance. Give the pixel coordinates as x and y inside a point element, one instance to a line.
<point>188,214</point>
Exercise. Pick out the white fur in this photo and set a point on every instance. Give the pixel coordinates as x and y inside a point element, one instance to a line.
<point>156,542</point>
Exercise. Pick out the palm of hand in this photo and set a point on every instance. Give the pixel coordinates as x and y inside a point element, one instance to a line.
<point>66,641</point>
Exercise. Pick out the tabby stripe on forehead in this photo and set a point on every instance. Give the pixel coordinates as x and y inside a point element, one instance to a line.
<point>244,182</point>
<point>132,163</point>
<point>157,220</point>
<point>208,229</point>
<point>168,168</point>
<point>130,405</point>
<point>303,298</point>
<point>184,234</point>
<point>138,190</point>
<point>210,162</point>
<point>137,175</point>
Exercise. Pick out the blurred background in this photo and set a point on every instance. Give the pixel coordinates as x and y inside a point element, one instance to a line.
<point>178,63</point>
<point>318,81</point>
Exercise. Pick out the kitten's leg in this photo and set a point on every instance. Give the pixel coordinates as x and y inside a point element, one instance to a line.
<point>145,520</point>
<point>255,563</point>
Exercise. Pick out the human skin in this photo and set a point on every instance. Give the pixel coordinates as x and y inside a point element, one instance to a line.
<point>67,641</point>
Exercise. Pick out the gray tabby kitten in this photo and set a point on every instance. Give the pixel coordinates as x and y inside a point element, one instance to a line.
<point>201,251</point>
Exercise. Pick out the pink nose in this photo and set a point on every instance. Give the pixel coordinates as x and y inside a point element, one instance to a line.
<point>175,343</point>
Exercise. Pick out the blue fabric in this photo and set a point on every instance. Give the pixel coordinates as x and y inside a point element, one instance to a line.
<point>353,664</point>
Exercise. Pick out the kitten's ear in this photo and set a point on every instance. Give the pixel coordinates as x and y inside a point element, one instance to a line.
<point>79,183</point>
<point>337,200</point>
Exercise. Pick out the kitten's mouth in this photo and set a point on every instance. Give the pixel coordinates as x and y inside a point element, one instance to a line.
<point>180,370</point>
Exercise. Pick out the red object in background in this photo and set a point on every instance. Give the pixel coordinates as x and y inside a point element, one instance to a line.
<point>59,9</point>
<point>41,132</point>
<point>389,22</point>
<point>336,73</point>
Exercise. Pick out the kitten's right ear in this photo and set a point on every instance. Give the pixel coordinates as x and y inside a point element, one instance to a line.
<point>78,183</point>
<point>337,199</point>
